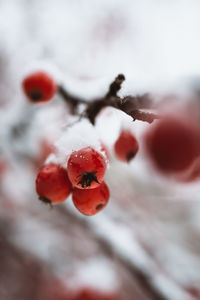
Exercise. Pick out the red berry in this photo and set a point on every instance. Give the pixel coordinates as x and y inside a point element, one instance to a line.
<point>91,294</point>
<point>173,143</point>
<point>126,146</point>
<point>52,184</point>
<point>86,168</point>
<point>39,87</point>
<point>89,202</point>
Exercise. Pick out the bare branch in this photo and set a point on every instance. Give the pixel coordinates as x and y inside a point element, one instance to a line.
<point>115,86</point>
<point>129,104</point>
<point>72,101</point>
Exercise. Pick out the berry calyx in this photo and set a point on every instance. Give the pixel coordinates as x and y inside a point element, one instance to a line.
<point>86,168</point>
<point>126,146</point>
<point>173,143</point>
<point>52,184</point>
<point>91,201</point>
<point>39,87</point>
<point>87,178</point>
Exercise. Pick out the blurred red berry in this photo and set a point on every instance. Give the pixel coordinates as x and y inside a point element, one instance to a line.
<point>126,146</point>
<point>87,293</point>
<point>173,143</point>
<point>39,87</point>
<point>91,294</point>
<point>86,168</point>
<point>89,202</point>
<point>52,184</point>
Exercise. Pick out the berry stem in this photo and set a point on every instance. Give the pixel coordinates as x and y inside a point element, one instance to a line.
<point>143,116</point>
<point>115,86</point>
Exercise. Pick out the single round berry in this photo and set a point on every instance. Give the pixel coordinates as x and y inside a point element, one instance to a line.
<point>126,146</point>
<point>52,184</point>
<point>87,293</point>
<point>91,201</point>
<point>39,87</point>
<point>173,143</point>
<point>86,168</point>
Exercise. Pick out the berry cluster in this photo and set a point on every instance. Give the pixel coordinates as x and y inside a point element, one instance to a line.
<point>83,176</point>
<point>172,143</point>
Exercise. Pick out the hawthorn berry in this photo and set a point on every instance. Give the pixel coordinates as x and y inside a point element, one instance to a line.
<point>126,146</point>
<point>52,184</point>
<point>86,168</point>
<point>87,293</point>
<point>173,143</point>
<point>39,87</point>
<point>91,201</point>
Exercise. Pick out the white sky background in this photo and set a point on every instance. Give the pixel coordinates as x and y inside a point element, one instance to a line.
<point>153,42</point>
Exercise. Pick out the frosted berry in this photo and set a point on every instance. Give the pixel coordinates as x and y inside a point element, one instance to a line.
<point>39,87</point>
<point>52,184</point>
<point>86,168</point>
<point>173,143</point>
<point>126,146</point>
<point>91,201</point>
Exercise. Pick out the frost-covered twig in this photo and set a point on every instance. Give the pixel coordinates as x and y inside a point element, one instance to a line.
<point>131,105</point>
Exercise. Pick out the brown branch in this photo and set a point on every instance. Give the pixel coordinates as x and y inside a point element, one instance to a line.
<point>72,101</point>
<point>115,86</point>
<point>129,104</point>
<point>143,116</point>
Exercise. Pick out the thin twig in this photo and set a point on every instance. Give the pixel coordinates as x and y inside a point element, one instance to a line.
<point>115,86</point>
<point>71,100</point>
<point>130,105</point>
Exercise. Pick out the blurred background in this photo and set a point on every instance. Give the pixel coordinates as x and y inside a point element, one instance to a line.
<point>145,245</point>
